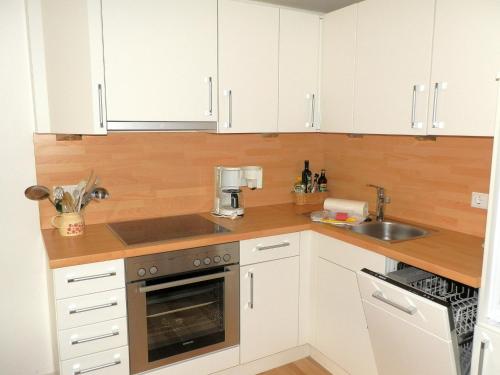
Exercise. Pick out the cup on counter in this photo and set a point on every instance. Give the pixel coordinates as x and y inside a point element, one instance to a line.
<point>69,224</point>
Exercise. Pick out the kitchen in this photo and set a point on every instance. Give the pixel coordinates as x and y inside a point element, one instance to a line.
<point>430,148</point>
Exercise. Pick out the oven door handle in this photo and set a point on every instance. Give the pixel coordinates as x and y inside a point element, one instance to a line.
<point>191,280</point>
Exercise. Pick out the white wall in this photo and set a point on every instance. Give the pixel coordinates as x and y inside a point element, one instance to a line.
<point>26,342</point>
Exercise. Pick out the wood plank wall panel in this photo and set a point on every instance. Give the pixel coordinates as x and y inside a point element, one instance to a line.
<point>163,174</point>
<point>428,181</point>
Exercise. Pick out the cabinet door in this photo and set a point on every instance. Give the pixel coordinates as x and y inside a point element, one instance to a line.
<point>465,64</point>
<point>394,44</point>
<point>160,59</point>
<point>68,66</point>
<point>340,326</point>
<point>269,308</point>
<point>298,71</point>
<point>338,70</point>
<point>486,349</point>
<point>248,67</point>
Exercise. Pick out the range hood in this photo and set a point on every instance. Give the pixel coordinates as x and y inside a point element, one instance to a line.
<point>157,126</point>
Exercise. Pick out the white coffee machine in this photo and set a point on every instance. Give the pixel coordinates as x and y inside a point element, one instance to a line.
<point>228,199</point>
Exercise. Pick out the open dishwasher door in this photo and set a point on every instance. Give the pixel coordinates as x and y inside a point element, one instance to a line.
<point>413,329</point>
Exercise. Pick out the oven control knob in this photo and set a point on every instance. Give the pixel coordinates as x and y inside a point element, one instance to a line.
<point>207,261</point>
<point>141,272</point>
<point>216,259</point>
<point>197,263</point>
<point>226,257</point>
<point>153,270</point>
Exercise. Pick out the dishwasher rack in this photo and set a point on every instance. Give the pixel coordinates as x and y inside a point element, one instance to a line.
<point>462,299</point>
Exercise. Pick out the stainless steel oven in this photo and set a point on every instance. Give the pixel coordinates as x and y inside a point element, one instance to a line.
<point>182,304</point>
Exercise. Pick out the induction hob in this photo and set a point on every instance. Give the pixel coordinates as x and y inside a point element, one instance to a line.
<point>137,232</point>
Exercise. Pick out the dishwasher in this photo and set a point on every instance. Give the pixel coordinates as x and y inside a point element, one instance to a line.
<point>419,323</point>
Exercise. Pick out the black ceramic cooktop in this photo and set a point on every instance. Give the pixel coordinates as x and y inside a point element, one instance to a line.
<point>164,228</point>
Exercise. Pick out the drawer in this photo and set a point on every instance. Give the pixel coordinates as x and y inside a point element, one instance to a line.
<point>88,278</point>
<point>405,303</point>
<point>263,249</point>
<point>93,338</point>
<point>111,362</point>
<point>91,308</point>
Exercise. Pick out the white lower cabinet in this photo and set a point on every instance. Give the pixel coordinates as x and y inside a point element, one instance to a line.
<point>269,295</point>
<point>486,352</point>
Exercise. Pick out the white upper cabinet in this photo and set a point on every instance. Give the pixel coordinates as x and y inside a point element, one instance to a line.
<point>298,71</point>
<point>465,64</point>
<point>67,66</point>
<point>338,70</point>
<point>248,67</point>
<point>394,45</point>
<point>160,59</point>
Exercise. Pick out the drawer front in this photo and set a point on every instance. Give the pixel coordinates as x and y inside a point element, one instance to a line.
<point>417,310</point>
<point>91,308</point>
<point>263,249</point>
<point>93,338</point>
<point>88,278</point>
<point>111,362</point>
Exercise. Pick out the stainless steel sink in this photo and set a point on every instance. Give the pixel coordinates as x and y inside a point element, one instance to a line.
<point>390,231</point>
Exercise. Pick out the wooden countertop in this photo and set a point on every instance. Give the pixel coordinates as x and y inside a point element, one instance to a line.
<point>450,254</point>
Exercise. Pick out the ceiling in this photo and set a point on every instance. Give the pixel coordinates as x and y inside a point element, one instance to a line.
<point>323,6</point>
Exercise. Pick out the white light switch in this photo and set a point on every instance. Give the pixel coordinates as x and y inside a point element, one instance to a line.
<point>479,200</point>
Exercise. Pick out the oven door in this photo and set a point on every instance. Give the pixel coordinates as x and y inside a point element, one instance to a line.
<point>173,318</point>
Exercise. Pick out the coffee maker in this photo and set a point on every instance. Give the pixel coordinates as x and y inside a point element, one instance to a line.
<point>228,199</point>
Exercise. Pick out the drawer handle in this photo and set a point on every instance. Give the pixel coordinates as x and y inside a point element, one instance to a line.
<point>409,310</point>
<point>95,368</point>
<point>276,246</point>
<point>91,277</point>
<point>94,338</point>
<point>90,308</point>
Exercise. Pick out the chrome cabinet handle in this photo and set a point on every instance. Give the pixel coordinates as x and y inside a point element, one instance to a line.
<point>229,122</point>
<point>210,104</point>
<point>94,338</point>
<point>90,308</point>
<point>312,98</point>
<point>250,303</point>
<point>101,115</point>
<point>435,123</point>
<point>484,344</point>
<point>414,123</point>
<point>91,277</point>
<point>409,310</point>
<point>95,368</point>
<point>276,246</point>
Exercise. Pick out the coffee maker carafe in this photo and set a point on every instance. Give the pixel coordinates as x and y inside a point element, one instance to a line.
<point>229,200</point>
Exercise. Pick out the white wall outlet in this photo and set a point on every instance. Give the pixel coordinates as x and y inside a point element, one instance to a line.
<point>479,200</point>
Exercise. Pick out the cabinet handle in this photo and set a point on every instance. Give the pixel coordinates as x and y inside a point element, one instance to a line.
<point>101,115</point>
<point>276,246</point>
<point>95,368</point>
<point>229,94</point>
<point>414,123</point>
<point>409,310</point>
<point>90,308</point>
<point>484,344</point>
<point>210,106</point>
<point>250,303</point>
<point>312,98</point>
<point>91,277</point>
<point>435,123</point>
<point>94,338</point>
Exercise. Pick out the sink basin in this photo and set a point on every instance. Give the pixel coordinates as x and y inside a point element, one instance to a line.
<point>390,231</point>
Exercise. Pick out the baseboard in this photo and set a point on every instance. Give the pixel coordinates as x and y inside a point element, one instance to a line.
<point>269,362</point>
<point>326,362</point>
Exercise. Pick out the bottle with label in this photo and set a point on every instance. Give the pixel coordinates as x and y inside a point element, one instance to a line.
<point>322,182</point>
<point>306,177</point>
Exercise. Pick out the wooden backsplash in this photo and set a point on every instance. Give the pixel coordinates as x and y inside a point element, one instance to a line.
<point>159,174</point>
<point>428,181</point>
<point>163,174</point>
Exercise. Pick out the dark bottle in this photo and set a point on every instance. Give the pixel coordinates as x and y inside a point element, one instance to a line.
<point>306,177</point>
<point>322,181</point>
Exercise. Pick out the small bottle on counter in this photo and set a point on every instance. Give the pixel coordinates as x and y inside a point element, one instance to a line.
<point>306,177</point>
<point>298,187</point>
<point>322,182</point>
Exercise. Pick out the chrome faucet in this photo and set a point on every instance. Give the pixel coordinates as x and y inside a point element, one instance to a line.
<point>381,201</point>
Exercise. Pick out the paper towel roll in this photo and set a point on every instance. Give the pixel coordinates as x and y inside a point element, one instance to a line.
<point>358,208</point>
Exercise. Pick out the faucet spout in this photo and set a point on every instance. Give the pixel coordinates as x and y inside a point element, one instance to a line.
<point>381,201</point>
